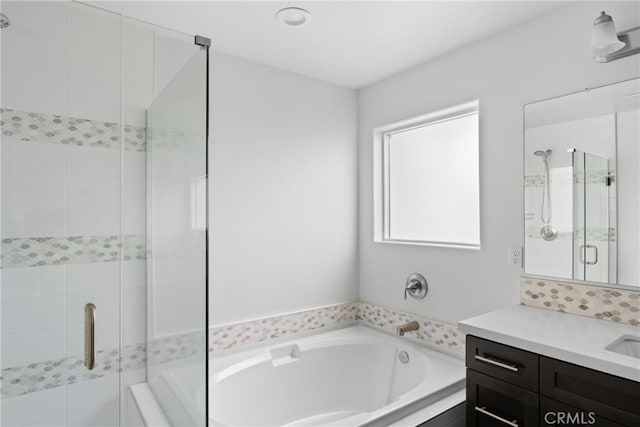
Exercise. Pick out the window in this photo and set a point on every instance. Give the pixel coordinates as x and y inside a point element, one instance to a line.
<point>426,182</point>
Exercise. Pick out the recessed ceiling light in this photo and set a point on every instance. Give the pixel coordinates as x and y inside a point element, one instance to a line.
<point>293,16</point>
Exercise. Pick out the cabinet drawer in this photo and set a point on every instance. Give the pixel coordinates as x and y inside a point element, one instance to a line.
<point>501,361</point>
<point>554,413</point>
<point>610,397</point>
<point>495,403</point>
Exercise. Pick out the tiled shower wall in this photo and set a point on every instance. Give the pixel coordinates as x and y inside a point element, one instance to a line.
<point>61,248</point>
<point>71,186</point>
<point>76,85</point>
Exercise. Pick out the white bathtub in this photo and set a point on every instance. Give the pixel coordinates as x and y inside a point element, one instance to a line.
<point>347,377</point>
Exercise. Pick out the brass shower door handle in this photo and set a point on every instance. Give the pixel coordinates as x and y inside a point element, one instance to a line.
<point>90,336</point>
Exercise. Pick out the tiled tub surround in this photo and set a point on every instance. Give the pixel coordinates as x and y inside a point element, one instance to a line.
<point>616,305</point>
<point>239,334</point>
<point>433,333</point>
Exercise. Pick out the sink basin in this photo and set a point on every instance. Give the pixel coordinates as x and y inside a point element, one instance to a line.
<point>629,345</point>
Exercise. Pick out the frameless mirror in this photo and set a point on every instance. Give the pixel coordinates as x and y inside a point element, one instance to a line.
<point>582,185</point>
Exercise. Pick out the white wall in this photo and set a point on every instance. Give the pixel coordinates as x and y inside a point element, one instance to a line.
<point>628,188</point>
<point>546,57</point>
<point>283,191</point>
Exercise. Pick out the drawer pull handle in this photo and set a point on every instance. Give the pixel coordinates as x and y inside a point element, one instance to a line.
<point>483,410</point>
<point>504,365</point>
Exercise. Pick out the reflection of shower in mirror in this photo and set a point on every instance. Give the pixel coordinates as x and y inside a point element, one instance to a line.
<point>547,231</point>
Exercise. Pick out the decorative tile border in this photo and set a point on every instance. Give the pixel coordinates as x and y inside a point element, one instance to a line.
<point>40,251</point>
<point>593,234</point>
<point>436,333</point>
<point>616,305</point>
<point>594,177</point>
<point>28,126</point>
<point>34,377</point>
<point>239,334</point>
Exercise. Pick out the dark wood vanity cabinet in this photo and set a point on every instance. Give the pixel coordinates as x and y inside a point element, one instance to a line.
<point>507,386</point>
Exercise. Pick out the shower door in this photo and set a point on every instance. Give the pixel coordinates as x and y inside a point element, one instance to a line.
<point>77,84</point>
<point>591,234</point>
<point>62,228</point>
<point>177,244</point>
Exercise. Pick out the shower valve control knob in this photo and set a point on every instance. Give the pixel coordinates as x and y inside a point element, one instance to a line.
<point>416,286</point>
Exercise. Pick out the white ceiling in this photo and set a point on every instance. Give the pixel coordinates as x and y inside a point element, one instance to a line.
<point>348,43</point>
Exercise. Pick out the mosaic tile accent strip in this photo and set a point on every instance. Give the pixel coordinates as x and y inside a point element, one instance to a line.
<point>29,126</point>
<point>20,380</point>
<point>175,347</point>
<point>594,177</point>
<point>593,234</point>
<point>34,377</point>
<point>615,305</point>
<point>435,333</point>
<point>39,251</point>
<point>174,141</point>
<point>238,334</point>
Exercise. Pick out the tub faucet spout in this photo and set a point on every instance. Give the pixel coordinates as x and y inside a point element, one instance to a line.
<point>407,327</point>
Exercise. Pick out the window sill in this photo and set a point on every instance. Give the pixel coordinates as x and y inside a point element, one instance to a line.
<point>433,244</point>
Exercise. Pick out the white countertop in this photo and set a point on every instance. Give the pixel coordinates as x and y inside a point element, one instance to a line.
<point>575,339</point>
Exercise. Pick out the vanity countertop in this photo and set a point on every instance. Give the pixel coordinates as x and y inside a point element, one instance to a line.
<point>575,339</point>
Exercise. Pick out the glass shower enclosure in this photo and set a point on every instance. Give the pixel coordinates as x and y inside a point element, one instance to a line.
<point>103,254</point>
<point>593,239</point>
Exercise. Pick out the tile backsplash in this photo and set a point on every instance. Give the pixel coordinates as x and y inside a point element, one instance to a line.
<point>616,305</point>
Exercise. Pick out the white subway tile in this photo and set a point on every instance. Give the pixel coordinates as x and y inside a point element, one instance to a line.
<point>93,56</point>
<point>97,276</point>
<point>56,422</point>
<point>91,394</point>
<point>32,282</point>
<point>81,221</point>
<point>33,408</point>
<point>33,58</point>
<point>29,314</point>
<point>134,220</point>
<point>33,189</point>
<point>133,302</point>
<point>134,329</point>
<point>108,220</point>
<point>103,416</point>
<point>93,162</point>
<point>133,377</point>
<point>34,346</point>
<point>134,274</point>
<point>135,180</point>
<point>81,190</point>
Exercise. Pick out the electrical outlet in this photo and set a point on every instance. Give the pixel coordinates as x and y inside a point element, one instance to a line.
<point>515,256</point>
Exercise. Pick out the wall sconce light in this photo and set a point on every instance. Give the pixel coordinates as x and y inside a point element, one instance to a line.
<point>608,45</point>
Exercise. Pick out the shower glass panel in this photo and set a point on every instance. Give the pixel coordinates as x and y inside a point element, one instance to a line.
<point>591,242</point>
<point>177,247</point>
<point>80,89</point>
